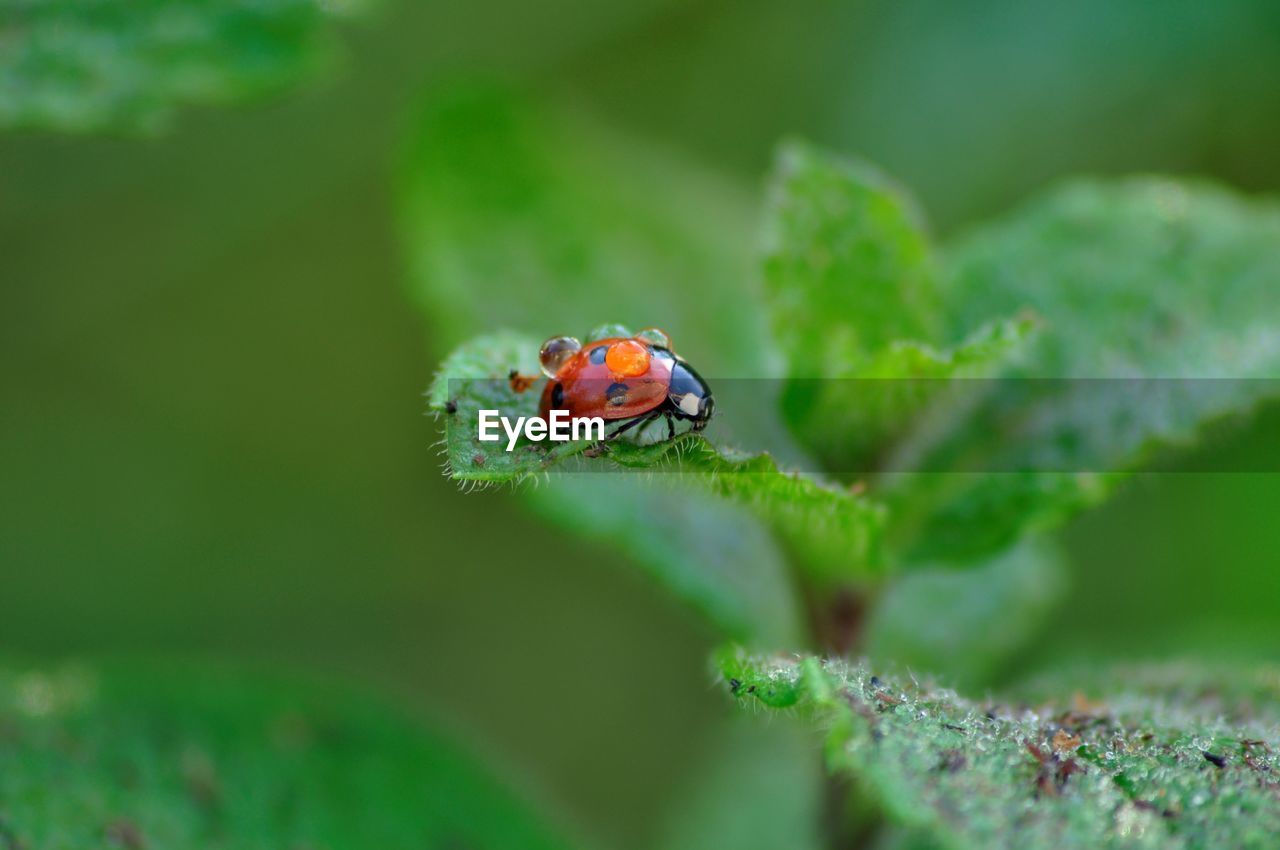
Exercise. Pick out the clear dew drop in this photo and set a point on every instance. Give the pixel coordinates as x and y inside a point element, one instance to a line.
<point>609,331</point>
<point>656,336</point>
<point>556,352</point>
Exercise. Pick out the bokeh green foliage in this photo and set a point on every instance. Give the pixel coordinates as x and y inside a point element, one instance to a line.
<point>158,755</point>
<point>126,66</point>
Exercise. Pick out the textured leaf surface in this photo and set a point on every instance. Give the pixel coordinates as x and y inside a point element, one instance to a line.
<point>1172,758</point>
<point>1144,278</point>
<point>179,759</point>
<point>475,377</point>
<point>127,64</point>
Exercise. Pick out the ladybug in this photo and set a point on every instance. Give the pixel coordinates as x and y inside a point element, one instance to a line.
<point>634,380</point>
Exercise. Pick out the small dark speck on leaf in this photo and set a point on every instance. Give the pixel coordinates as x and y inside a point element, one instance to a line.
<point>1068,769</point>
<point>734,685</point>
<point>477,459</point>
<point>1215,759</point>
<point>953,727</point>
<point>875,681</point>
<point>450,407</point>
<point>1148,806</point>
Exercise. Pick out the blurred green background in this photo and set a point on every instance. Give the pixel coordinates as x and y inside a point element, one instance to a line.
<point>213,436</point>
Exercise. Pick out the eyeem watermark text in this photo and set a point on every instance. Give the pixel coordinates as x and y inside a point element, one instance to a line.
<point>558,427</point>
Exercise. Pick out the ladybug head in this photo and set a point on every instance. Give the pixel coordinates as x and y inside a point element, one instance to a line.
<point>689,395</point>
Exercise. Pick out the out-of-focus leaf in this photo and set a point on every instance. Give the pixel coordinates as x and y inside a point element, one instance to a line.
<point>128,64</point>
<point>706,552</point>
<point>759,788</point>
<point>1237,693</point>
<point>965,624</point>
<point>1146,278</point>
<point>1144,766</point>
<point>175,758</point>
<point>848,266</point>
<point>851,422</point>
<point>834,530</point>
<point>516,215</point>
<point>851,281</point>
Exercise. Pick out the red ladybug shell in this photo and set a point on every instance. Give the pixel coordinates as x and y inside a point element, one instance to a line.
<point>585,386</point>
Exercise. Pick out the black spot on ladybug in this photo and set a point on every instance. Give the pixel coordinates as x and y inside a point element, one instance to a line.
<point>557,395</point>
<point>617,394</point>
<point>451,407</point>
<point>597,354</point>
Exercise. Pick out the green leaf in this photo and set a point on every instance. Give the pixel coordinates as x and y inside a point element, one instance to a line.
<point>967,624</point>
<point>1146,767</point>
<point>517,215</point>
<point>851,281</point>
<point>165,756</point>
<point>129,64</point>
<point>848,268</point>
<point>1144,278</point>
<point>850,422</point>
<point>834,530</point>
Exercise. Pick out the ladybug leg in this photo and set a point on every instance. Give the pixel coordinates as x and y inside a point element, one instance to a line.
<point>671,425</point>
<point>627,426</point>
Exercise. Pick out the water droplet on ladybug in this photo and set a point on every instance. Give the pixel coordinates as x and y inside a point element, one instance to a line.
<point>627,358</point>
<point>611,330</point>
<point>656,336</point>
<point>556,352</point>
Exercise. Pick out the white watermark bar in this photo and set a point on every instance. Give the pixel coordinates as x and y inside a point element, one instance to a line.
<point>879,427</point>
<point>559,426</point>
